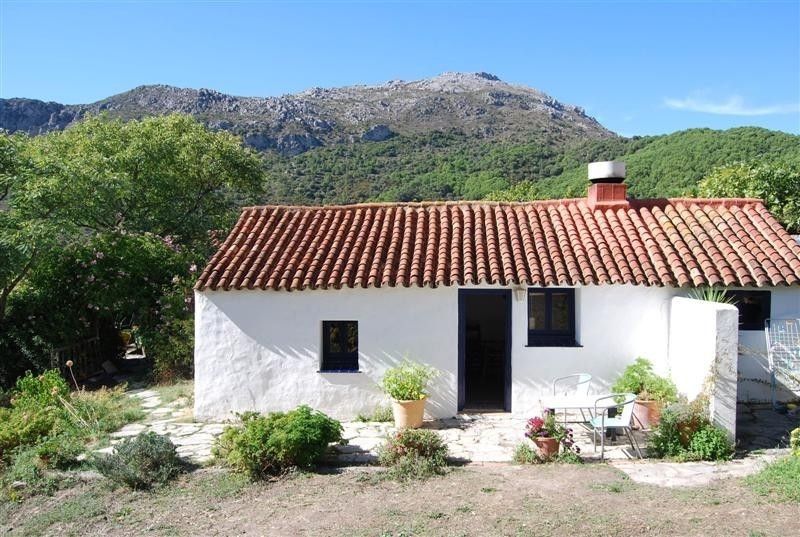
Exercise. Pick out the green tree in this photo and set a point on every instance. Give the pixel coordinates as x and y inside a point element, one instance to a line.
<point>778,184</point>
<point>102,221</point>
<point>167,175</point>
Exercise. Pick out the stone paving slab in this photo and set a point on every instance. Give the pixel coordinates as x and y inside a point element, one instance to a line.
<point>693,474</point>
<point>476,438</point>
<point>469,437</point>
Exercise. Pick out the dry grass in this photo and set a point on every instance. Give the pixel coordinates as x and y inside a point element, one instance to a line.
<point>541,501</point>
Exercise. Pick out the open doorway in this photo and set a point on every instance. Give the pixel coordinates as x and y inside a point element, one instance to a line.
<point>484,373</point>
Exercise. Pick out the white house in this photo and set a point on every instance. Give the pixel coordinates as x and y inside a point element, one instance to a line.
<point>312,304</point>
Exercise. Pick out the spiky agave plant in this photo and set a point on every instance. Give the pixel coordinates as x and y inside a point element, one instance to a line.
<point>712,294</point>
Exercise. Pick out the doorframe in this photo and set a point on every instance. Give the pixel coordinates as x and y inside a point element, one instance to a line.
<point>462,359</point>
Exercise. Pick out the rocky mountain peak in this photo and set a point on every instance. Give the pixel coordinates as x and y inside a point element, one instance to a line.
<point>478,104</point>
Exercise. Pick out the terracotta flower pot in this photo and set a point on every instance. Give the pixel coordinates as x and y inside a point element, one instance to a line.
<point>646,414</point>
<point>547,447</point>
<point>408,414</point>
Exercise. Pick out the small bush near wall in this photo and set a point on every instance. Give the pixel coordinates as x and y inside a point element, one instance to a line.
<point>794,442</point>
<point>414,454</point>
<point>141,462</point>
<point>685,433</point>
<point>271,444</point>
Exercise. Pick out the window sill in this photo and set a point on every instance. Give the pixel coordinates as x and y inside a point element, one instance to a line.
<point>575,345</point>
<point>337,371</point>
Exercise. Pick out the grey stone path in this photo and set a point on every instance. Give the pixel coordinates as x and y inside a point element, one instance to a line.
<point>474,438</point>
<point>479,438</point>
<point>692,474</point>
<point>193,439</point>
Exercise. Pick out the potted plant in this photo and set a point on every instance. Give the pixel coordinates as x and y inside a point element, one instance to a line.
<point>547,435</point>
<point>406,384</point>
<point>652,391</point>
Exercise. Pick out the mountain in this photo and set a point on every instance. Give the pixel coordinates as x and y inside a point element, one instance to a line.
<point>476,105</point>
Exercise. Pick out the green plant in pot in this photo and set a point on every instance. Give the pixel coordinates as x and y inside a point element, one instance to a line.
<point>653,391</point>
<point>407,385</point>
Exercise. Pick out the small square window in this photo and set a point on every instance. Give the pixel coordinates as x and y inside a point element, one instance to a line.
<point>754,308</point>
<point>551,318</point>
<point>339,346</point>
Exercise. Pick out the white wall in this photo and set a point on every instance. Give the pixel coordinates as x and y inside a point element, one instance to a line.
<point>754,376</point>
<point>260,350</point>
<point>703,345</point>
<point>614,324</point>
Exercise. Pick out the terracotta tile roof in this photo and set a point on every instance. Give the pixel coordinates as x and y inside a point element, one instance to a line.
<point>674,242</point>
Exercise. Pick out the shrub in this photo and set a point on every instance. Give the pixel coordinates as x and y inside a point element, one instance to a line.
<point>685,433</point>
<point>25,428</point>
<point>140,462</point>
<point>639,378</point>
<point>268,445</point>
<point>408,381</point>
<point>37,392</point>
<point>28,468</point>
<point>794,442</point>
<point>711,443</point>
<point>59,451</point>
<point>414,454</point>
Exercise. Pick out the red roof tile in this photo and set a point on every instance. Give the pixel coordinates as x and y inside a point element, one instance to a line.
<point>675,242</point>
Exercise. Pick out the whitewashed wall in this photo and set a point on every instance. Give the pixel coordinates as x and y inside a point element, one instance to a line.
<point>703,355</point>
<point>260,350</point>
<point>754,376</point>
<point>614,324</point>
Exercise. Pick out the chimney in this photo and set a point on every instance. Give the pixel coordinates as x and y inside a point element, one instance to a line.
<point>608,190</point>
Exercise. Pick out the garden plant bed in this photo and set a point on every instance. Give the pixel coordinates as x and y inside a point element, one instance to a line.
<point>476,500</point>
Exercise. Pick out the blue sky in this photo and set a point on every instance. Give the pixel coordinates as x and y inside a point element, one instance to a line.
<point>638,67</point>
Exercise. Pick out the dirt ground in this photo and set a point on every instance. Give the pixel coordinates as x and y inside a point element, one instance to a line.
<point>471,501</point>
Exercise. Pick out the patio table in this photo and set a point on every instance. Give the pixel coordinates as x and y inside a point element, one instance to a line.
<point>574,403</point>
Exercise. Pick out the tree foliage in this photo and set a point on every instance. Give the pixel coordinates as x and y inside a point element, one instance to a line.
<point>778,184</point>
<point>103,222</point>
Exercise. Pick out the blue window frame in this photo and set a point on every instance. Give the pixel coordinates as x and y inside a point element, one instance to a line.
<point>551,317</point>
<point>339,346</point>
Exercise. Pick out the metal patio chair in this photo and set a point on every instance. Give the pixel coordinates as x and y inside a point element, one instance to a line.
<point>572,387</point>
<point>601,422</point>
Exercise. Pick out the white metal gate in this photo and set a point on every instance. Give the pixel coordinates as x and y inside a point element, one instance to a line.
<point>783,348</point>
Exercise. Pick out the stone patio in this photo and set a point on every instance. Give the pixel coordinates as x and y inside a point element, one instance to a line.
<point>193,439</point>
<point>471,438</point>
<point>487,438</point>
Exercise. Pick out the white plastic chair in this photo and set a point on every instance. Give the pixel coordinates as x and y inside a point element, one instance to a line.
<point>572,386</point>
<point>601,422</point>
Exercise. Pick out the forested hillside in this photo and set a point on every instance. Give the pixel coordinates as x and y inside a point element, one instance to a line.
<point>455,166</point>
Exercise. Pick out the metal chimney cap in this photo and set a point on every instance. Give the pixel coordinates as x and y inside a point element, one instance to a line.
<point>610,171</point>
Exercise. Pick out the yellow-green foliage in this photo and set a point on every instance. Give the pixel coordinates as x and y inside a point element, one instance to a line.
<point>268,445</point>
<point>795,442</point>
<point>47,426</point>
<point>408,381</point>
